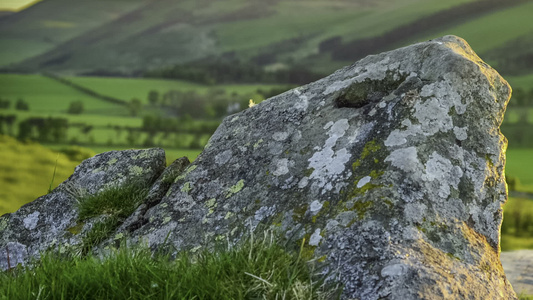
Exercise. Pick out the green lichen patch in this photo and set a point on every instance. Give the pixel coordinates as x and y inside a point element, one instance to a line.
<point>309,171</point>
<point>298,213</point>
<point>112,161</point>
<point>136,170</point>
<point>371,148</point>
<point>186,172</point>
<point>76,229</point>
<point>3,224</point>
<point>256,145</point>
<point>235,188</point>
<point>187,187</point>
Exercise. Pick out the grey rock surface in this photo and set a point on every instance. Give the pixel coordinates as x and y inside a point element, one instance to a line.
<point>390,170</point>
<point>51,221</point>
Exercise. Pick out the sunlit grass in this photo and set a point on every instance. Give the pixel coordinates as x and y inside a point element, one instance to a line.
<point>26,170</point>
<point>257,269</point>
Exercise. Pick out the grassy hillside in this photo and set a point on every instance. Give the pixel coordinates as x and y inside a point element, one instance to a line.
<point>27,170</point>
<point>50,23</point>
<point>167,32</point>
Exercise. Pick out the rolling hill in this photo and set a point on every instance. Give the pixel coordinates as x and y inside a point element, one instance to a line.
<point>129,38</point>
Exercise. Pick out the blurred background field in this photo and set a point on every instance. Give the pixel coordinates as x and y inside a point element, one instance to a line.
<point>78,78</point>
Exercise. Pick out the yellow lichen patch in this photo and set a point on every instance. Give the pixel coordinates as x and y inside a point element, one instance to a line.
<point>187,171</point>
<point>370,147</point>
<point>229,214</point>
<point>298,213</point>
<point>235,188</point>
<point>136,170</point>
<point>187,187</point>
<point>76,229</point>
<point>166,220</point>
<point>256,145</point>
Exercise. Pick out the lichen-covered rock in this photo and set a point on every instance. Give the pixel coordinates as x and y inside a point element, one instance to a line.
<point>389,170</point>
<point>51,221</point>
<point>156,193</point>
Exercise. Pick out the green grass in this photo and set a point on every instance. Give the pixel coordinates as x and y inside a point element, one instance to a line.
<point>256,269</point>
<point>297,19</point>
<point>26,170</point>
<point>520,164</point>
<point>113,205</point>
<point>493,30</point>
<point>511,238</point>
<point>524,82</point>
<point>45,95</point>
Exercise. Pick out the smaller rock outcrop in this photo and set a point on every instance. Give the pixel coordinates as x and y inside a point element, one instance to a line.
<point>51,222</point>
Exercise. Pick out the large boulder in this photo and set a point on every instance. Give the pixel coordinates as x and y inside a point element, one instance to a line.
<point>391,169</point>
<point>389,172</point>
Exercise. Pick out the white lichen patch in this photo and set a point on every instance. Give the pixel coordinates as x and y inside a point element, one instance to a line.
<point>264,212</point>
<point>223,157</point>
<point>303,182</point>
<point>363,181</point>
<point>328,163</point>
<point>315,238</point>
<point>433,116</point>
<point>30,222</point>
<point>442,171</point>
<point>281,167</point>
<point>406,159</point>
<point>280,136</point>
<point>315,207</point>
<point>303,102</point>
<point>460,133</point>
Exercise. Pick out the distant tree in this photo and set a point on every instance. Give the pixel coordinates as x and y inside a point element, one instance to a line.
<point>4,103</point>
<point>518,97</point>
<point>10,120</point>
<point>153,97</point>
<point>25,130</point>
<point>75,108</point>
<point>134,106</point>
<point>22,105</point>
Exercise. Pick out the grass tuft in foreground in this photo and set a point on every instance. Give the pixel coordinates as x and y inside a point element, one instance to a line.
<point>255,270</point>
<point>112,206</point>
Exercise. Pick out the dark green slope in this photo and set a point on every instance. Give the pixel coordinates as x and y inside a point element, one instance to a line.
<point>48,24</point>
<point>274,35</point>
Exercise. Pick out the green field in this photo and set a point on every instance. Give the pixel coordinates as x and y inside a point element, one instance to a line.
<point>493,30</point>
<point>128,88</point>
<point>45,95</point>
<point>520,164</point>
<point>306,19</point>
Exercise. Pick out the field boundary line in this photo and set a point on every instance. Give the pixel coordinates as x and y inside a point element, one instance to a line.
<point>84,89</point>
